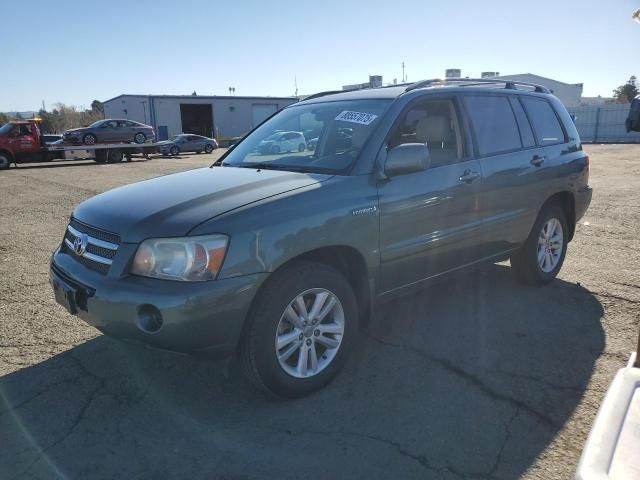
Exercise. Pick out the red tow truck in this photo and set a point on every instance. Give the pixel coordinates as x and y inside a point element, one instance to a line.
<point>21,142</point>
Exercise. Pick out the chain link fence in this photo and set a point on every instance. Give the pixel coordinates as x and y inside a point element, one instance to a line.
<point>603,124</point>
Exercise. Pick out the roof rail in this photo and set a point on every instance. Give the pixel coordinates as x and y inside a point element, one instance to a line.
<point>468,82</point>
<point>322,94</point>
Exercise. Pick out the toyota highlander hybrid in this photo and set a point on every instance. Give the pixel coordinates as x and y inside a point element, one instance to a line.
<point>280,255</point>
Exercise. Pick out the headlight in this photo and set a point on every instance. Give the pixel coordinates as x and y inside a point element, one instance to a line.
<point>188,259</point>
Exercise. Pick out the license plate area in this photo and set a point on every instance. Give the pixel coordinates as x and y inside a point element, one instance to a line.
<point>69,294</point>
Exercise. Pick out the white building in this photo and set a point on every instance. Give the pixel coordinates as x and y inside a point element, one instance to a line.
<point>222,117</point>
<point>568,93</point>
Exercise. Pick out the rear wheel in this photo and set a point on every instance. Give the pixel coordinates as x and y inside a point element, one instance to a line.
<point>89,139</point>
<point>5,161</point>
<point>541,257</point>
<point>174,151</point>
<point>140,137</point>
<point>114,156</point>
<point>300,330</point>
<point>208,148</point>
<point>100,156</point>
<point>301,147</point>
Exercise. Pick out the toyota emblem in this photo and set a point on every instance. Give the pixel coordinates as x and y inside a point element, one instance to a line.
<point>80,244</point>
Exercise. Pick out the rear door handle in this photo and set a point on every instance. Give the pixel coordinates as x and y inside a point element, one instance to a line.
<point>468,176</point>
<point>537,160</point>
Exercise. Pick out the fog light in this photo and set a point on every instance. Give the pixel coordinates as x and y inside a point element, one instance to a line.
<point>149,319</point>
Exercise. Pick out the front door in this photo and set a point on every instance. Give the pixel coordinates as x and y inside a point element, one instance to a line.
<point>430,221</point>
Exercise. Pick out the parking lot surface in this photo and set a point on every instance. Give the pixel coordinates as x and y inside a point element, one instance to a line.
<point>477,377</point>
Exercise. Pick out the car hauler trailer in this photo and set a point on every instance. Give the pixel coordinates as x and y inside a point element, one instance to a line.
<point>21,142</point>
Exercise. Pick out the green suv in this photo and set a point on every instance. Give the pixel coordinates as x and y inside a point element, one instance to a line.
<point>279,257</point>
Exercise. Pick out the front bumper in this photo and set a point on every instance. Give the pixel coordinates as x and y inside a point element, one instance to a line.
<point>195,316</point>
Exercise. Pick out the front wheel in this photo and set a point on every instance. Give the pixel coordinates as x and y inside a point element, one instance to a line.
<point>301,147</point>
<point>300,330</point>
<point>89,139</point>
<point>541,257</point>
<point>5,161</point>
<point>174,151</point>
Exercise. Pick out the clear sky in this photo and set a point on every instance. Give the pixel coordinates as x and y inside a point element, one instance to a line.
<point>77,51</point>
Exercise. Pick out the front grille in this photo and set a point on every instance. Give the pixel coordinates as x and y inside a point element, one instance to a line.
<point>99,246</point>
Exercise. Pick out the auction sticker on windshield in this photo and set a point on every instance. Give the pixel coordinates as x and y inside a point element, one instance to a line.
<point>356,117</point>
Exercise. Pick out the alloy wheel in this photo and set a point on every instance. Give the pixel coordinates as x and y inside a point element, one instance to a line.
<point>550,243</point>
<point>309,333</point>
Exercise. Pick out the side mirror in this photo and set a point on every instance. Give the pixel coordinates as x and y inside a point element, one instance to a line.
<point>407,158</point>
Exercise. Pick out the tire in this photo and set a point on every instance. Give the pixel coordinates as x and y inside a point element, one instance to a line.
<point>174,151</point>
<point>292,377</point>
<point>301,147</point>
<point>114,156</point>
<point>89,139</point>
<point>208,148</point>
<point>5,161</point>
<point>101,156</point>
<point>139,138</point>
<point>541,257</point>
<point>275,149</point>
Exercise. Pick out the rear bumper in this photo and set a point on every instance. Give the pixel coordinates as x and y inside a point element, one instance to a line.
<point>583,200</point>
<point>195,316</point>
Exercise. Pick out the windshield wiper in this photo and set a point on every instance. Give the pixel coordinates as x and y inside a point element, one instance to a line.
<point>271,166</point>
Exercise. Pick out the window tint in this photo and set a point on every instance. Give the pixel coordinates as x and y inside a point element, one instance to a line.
<point>435,123</point>
<point>526,134</point>
<point>494,124</point>
<point>545,122</point>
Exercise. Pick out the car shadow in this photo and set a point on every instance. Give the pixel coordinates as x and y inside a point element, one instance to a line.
<point>470,378</point>
<point>73,164</point>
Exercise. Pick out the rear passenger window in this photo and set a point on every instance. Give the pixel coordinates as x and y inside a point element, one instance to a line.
<point>494,124</point>
<point>545,123</point>
<point>526,134</point>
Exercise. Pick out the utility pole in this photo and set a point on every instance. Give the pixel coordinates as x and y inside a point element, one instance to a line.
<point>295,82</point>
<point>403,77</point>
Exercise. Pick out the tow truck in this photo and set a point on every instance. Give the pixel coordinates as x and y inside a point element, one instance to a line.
<point>21,142</point>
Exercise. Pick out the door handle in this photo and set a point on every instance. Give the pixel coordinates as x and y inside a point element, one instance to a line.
<point>537,160</point>
<point>468,176</point>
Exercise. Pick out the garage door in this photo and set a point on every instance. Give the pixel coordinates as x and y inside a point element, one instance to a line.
<point>260,112</point>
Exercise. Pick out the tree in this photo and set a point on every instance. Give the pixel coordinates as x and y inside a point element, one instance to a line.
<point>3,118</point>
<point>96,106</point>
<point>625,93</point>
<point>194,93</point>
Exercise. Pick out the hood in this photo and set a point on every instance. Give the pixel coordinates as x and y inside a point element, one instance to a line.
<point>165,142</point>
<point>74,130</point>
<point>174,204</point>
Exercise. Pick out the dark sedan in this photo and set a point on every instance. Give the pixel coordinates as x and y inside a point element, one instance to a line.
<point>111,131</point>
<point>188,142</point>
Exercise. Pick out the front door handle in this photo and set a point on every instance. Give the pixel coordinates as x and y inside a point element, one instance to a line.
<point>537,160</point>
<point>468,176</point>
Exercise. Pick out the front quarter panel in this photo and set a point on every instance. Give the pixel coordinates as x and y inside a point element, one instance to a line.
<point>342,211</point>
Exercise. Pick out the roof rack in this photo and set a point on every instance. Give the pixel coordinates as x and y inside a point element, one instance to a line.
<point>468,82</point>
<point>322,94</point>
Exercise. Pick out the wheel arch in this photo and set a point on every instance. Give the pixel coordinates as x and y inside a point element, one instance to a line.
<point>566,201</point>
<point>347,260</point>
<point>8,153</point>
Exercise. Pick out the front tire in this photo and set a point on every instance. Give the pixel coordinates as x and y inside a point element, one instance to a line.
<point>174,151</point>
<point>89,139</point>
<point>301,147</point>
<point>5,161</point>
<point>540,259</point>
<point>300,330</point>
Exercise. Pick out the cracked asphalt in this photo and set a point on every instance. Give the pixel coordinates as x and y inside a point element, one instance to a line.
<point>476,377</point>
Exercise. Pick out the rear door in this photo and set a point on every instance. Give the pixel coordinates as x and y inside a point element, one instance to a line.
<point>429,220</point>
<point>512,166</point>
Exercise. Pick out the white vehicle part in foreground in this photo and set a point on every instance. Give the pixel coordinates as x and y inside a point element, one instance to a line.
<point>612,451</point>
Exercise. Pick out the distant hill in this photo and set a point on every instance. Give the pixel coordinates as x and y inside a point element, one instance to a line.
<point>27,114</point>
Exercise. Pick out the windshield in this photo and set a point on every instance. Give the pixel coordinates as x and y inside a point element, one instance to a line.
<point>5,128</point>
<point>319,137</point>
<point>96,124</point>
<point>176,137</point>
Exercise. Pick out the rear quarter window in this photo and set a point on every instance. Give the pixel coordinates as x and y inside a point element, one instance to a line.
<point>494,124</point>
<point>545,122</point>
